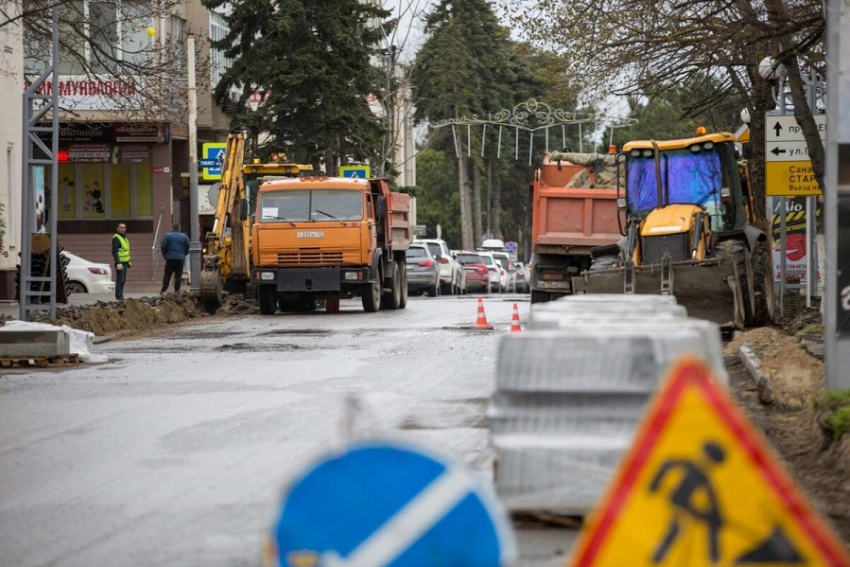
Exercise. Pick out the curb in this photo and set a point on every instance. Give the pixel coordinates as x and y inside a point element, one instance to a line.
<point>762,380</point>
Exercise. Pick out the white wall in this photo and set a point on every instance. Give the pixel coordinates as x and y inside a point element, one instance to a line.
<point>11,84</point>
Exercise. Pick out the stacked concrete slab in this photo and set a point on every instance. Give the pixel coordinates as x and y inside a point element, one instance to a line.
<point>572,389</point>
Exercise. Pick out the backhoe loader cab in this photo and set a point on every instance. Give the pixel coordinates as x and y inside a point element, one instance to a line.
<point>689,232</point>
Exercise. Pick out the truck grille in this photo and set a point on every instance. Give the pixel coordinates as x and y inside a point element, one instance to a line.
<point>676,245</point>
<point>310,257</point>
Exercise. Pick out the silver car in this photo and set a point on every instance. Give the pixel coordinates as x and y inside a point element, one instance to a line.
<point>423,272</point>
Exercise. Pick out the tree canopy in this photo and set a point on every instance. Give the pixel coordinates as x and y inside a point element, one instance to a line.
<point>310,63</point>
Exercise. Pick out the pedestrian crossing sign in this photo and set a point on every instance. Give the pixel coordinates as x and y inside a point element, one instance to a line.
<point>355,171</point>
<point>701,487</point>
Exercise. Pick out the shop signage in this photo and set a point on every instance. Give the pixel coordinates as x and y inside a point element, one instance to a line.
<point>134,153</point>
<point>140,132</point>
<point>89,153</point>
<point>83,92</point>
<point>796,252</point>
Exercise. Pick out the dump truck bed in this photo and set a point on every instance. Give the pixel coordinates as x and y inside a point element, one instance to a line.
<point>571,219</point>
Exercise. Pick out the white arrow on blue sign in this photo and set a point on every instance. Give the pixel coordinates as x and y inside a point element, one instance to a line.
<point>391,505</point>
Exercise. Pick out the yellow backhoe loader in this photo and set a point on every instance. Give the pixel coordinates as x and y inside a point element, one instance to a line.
<point>226,264</point>
<point>690,231</point>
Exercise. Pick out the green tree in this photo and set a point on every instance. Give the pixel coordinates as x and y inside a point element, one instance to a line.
<point>311,59</point>
<point>437,199</point>
<point>463,68</point>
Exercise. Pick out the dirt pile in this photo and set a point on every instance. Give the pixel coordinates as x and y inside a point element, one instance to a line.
<point>130,314</point>
<point>237,305</point>
<point>794,424</point>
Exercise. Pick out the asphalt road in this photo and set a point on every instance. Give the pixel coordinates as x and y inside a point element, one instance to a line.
<point>175,452</point>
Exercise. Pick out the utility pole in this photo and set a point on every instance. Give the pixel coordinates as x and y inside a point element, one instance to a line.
<point>837,198</point>
<point>194,236</point>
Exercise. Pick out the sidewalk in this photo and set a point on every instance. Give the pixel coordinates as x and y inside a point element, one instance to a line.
<point>131,290</point>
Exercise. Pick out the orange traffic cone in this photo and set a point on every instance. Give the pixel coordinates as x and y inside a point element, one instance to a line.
<point>482,323</point>
<point>515,328</point>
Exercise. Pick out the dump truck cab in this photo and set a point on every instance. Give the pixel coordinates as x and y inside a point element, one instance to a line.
<point>321,238</point>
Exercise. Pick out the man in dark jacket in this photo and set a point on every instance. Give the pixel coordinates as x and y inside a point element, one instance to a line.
<point>174,247</point>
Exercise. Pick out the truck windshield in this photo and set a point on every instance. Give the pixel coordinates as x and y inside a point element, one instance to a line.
<point>686,178</point>
<point>312,205</point>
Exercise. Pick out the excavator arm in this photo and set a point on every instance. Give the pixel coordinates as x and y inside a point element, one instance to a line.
<point>227,261</point>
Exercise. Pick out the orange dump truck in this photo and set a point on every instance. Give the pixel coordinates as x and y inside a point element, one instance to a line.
<point>330,238</point>
<point>574,209</point>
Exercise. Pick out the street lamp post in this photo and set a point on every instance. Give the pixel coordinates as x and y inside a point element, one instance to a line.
<point>194,244</point>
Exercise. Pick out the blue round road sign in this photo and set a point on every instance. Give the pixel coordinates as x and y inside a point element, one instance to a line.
<point>380,504</point>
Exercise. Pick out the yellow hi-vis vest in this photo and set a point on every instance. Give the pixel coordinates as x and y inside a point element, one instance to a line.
<point>124,250</point>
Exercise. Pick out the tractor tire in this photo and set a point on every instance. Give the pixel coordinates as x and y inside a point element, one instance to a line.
<point>763,310</point>
<point>267,298</point>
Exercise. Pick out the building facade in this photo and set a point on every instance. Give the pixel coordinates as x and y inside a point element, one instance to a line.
<point>11,81</point>
<point>123,139</point>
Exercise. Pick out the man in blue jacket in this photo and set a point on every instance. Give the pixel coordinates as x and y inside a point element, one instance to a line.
<point>174,247</point>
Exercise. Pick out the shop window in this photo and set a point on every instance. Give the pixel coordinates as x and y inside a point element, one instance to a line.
<point>119,191</point>
<point>144,190</point>
<point>67,192</point>
<point>91,192</point>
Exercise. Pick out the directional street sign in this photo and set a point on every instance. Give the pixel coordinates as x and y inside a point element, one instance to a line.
<point>785,128</point>
<point>788,167</point>
<point>790,179</point>
<point>212,160</point>
<point>700,487</point>
<point>388,504</point>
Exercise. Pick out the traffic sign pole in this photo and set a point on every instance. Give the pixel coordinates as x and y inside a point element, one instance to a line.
<point>837,200</point>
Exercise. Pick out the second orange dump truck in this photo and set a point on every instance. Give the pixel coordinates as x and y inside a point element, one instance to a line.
<point>330,238</point>
<point>574,209</point>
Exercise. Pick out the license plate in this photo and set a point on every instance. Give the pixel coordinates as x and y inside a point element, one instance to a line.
<point>311,234</point>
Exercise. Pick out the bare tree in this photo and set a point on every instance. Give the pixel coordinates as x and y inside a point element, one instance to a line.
<point>643,47</point>
<point>112,51</point>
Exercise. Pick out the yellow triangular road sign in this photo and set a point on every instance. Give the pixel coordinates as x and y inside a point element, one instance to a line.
<point>700,487</point>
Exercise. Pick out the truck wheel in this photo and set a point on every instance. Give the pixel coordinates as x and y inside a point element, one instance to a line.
<point>762,286</point>
<point>402,271</point>
<point>267,296</point>
<point>539,296</point>
<point>392,299</point>
<point>371,297</point>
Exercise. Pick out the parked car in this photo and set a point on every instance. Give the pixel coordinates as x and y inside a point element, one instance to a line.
<point>477,276</point>
<point>498,275</point>
<point>423,273</point>
<point>504,258</point>
<point>450,272</point>
<point>521,278</point>
<point>88,277</point>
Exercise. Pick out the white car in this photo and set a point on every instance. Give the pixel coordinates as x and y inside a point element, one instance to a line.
<point>451,274</point>
<point>498,275</point>
<point>88,277</point>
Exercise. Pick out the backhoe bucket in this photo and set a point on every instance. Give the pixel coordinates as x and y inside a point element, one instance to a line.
<point>710,289</point>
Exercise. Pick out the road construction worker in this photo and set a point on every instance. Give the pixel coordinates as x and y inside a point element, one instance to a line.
<point>121,257</point>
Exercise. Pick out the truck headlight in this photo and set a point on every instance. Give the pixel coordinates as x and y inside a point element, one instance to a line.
<point>267,276</point>
<point>352,276</point>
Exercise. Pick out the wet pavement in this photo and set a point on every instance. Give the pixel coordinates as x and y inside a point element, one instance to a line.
<point>175,452</point>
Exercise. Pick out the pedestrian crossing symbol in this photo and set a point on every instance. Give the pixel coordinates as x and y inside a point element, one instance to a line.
<point>700,487</point>
<point>355,171</point>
